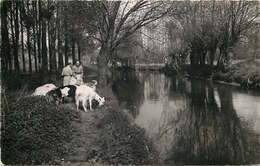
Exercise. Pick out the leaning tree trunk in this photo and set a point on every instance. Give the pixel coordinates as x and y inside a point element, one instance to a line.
<point>103,70</point>
<point>104,74</point>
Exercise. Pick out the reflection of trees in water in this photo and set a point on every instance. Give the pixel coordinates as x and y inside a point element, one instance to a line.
<point>128,90</point>
<point>198,124</point>
<point>132,88</point>
<point>156,86</point>
<point>202,133</point>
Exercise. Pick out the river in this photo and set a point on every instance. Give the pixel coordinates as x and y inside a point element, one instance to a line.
<point>192,121</point>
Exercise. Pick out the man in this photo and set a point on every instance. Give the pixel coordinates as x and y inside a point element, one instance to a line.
<point>78,72</point>
<point>67,74</point>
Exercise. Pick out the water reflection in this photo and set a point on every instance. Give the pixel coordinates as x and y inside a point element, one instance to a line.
<point>193,121</point>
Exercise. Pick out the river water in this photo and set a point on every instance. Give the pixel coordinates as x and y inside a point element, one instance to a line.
<point>192,121</point>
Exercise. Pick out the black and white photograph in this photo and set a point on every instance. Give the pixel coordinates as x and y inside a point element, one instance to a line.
<point>130,82</point>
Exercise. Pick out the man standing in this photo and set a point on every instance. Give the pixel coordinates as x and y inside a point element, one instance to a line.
<point>67,74</point>
<point>78,72</point>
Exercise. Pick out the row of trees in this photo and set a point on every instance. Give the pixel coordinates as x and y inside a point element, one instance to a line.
<point>46,33</point>
<point>49,32</point>
<point>213,25</point>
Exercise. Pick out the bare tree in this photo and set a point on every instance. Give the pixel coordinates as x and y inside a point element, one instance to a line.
<point>216,24</point>
<point>116,21</point>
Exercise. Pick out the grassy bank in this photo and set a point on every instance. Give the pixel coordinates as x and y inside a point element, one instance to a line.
<point>247,74</point>
<point>109,136</point>
<point>35,131</point>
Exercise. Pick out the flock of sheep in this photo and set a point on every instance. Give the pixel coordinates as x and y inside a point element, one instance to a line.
<point>78,93</point>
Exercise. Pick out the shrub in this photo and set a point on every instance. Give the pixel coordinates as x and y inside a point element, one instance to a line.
<point>34,131</point>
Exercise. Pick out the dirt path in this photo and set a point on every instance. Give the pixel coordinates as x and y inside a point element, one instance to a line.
<point>107,135</point>
<point>85,135</point>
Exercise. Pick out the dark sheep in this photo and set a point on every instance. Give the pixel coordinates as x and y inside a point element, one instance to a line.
<point>56,94</point>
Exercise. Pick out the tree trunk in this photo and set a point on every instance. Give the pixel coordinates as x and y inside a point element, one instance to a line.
<point>13,36</point>
<point>52,47</point>
<point>5,48</point>
<point>22,41</point>
<point>212,56</point>
<point>103,72</point>
<point>29,49</point>
<point>44,49</point>
<point>39,31</point>
<point>16,45</point>
<point>34,36</point>
<point>202,58</point>
<point>60,57</point>
<point>222,55</point>
<point>79,51</point>
<point>49,44</point>
<point>73,51</point>
<point>29,43</point>
<point>66,41</point>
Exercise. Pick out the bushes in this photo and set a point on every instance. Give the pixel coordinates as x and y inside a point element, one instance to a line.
<point>240,73</point>
<point>34,131</point>
<point>227,77</point>
<point>17,81</point>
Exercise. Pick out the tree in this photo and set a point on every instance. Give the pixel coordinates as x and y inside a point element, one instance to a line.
<point>5,46</point>
<point>116,21</point>
<point>22,33</point>
<point>29,23</point>
<point>39,31</point>
<point>210,25</point>
<point>44,49</point>
<point>60,56</point>
<point>16,44</point>
<point>51,36</point>
<point>34,35</point>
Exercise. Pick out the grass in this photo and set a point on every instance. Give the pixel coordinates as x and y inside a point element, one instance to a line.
<point>34,131</point>
<point>123,142</point>
<point>108,135</point>
<point>238,73</point>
